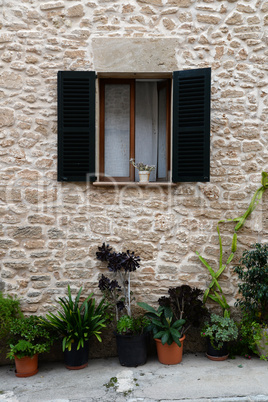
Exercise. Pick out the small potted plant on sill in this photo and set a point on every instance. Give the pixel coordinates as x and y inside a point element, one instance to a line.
<point>144,170</point>
<point>219,331</point>
<point>76,322</point>
<point>174,316</point>
<point>131,336</point>
<point>28,338</point>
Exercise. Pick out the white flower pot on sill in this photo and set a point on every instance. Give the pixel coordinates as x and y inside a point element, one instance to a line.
<point>144,176</point>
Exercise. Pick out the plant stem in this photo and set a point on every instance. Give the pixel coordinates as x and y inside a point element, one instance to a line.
<point>129,301</point>
<point>211,291</point>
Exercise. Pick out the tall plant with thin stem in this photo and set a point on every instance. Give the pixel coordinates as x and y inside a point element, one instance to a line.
<point>214,291</point>
<point>118,291</point>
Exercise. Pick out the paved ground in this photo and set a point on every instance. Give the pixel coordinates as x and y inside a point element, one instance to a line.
<point>104,380</point>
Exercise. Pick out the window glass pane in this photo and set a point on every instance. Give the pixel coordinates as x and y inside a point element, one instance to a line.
<point>117,126</point>
<point>162,118</point>
<point>146,130</point>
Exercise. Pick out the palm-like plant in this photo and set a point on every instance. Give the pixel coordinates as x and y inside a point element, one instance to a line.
<point>77,323</point>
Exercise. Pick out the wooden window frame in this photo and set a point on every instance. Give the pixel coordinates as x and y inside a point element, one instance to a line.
<point>131,82</point>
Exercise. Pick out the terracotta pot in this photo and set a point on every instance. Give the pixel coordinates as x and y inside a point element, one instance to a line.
<point>26,366</point>
<point>169,354</point>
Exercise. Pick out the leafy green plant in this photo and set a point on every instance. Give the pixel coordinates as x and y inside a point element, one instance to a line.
<point>253,274</point>
<point>220,330</point>
<point>77,323</point>
<point>9,309</point>
<point>132,325</point>
<point>28,337</point>
<point>163,324</point>
<point>248,337</point>
<point>214,291</point>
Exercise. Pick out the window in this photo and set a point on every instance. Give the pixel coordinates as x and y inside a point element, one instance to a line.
<point>134,122</point>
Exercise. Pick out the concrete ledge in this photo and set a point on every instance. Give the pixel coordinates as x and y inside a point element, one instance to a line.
<point>131,54</point>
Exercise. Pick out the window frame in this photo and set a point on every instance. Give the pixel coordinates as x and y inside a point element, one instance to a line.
<point>190,141</point>
<point>167,82</point>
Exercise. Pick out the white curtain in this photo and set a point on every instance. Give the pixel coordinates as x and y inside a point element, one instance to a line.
<point>117,126</point>
<point>146,125</point>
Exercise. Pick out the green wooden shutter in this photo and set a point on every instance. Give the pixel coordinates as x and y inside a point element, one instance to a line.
<point>76,125</point>
<point>191,125</point>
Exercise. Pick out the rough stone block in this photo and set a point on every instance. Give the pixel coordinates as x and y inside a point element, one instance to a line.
<point>75,11</point>
<point>6,117</point>
<point>27,232</point>
<point>52,5</point>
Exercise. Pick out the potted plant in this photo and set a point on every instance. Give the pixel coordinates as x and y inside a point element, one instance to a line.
<point>76,322</point>
<point>253,288</point>
<point>167,333</point>
<point>219,331</point>
<point>131,340</point>
<point>175,315</point>
<point>144,170</point>
<point>28,338</point>
<point>130,333</point>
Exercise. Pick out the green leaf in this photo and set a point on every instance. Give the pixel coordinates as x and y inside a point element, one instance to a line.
<point>216,283</point>
<point>217,300</point>
<point>234,243</point>
<point>164,338</point>
<point>178,323</point>
<point>231,256</point>
<point>264,180</point>
<point>159,334</point>
<point>147,307</point>
<point>206,295</point>
<point>177,340</point>
<point>206,264</point>
<point>220,271</point>
<point>175,333</point>
<point>160,324</point>
<point>220,243</point>
<point>98,337</point>
<point>168,313</point>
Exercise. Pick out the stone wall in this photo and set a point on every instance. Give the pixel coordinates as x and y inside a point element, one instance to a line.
<point>49,230</point>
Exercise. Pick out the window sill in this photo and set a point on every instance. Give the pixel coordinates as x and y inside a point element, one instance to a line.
<point>133,184</point>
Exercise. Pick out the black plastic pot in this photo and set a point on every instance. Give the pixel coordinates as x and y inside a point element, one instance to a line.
<point>132,349</point>
<point>76,359</point>
<point>217,354</point>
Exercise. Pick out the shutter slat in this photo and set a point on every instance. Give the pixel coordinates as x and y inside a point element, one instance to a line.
<point>191,125</point>
<point>76,125</point>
